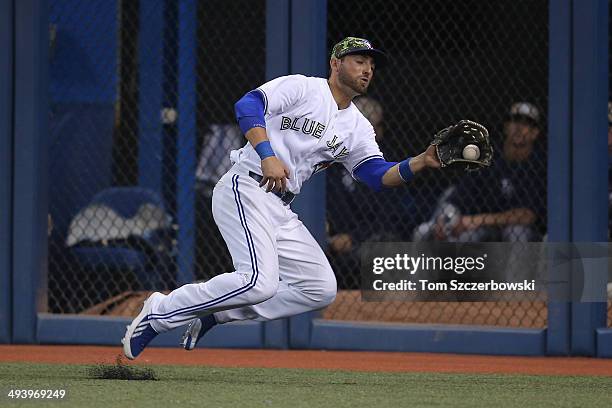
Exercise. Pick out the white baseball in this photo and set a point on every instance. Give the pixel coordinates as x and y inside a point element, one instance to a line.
<point>471,152</point>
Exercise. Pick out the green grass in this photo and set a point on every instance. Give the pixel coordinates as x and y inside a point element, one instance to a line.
<point>206,387</point>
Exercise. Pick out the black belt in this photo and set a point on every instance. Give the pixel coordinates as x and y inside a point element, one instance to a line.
<point>286,197</point>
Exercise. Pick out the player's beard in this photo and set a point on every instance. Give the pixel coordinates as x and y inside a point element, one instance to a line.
<point>355,84</point>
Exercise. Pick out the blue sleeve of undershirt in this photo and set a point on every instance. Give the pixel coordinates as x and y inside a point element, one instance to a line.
<point>250,111</point>
<point>372,172</point>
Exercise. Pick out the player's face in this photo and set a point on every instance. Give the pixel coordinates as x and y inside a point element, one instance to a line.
<point>356,72</point>
<point>519,140</point>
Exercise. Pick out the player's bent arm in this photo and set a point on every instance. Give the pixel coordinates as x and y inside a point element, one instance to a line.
<point>250,116</point>
<point>274,172</point>
<point>256,135</point>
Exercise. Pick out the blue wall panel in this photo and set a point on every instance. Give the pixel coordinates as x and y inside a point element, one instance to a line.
<point>276,334</point>
<point>278,35</point>
<point>150,87</point>
<point>84,54</point>
<point>31,116</point>
<point>590,158</point>
<point>430,338</point>
<point>186,158</point>
<point>309,57</point>
<point>6,165</point>
<point>108,331</point>
<point>83,84</point>
<point>604,343</point>
<point>559,159</point>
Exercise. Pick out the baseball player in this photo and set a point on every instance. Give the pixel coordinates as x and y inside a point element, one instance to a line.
<point>295,126</point>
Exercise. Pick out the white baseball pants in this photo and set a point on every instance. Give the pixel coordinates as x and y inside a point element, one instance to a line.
<point>280,270</point>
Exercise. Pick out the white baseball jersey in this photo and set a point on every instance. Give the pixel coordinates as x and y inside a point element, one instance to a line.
<point>307,130</point>
<point>280,268</point>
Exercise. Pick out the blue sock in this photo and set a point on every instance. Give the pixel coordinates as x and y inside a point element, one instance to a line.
<point>208,322</point>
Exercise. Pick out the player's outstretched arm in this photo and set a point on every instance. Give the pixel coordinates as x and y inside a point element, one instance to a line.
<point>400,173</point>
<point>378,173</point>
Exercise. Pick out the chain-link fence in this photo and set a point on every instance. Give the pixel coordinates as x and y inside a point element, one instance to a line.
<point>117,150</point>
<point>125,169</point>
<point>484,61</point>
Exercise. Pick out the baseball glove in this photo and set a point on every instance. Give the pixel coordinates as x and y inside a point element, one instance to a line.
<point>465,145</point>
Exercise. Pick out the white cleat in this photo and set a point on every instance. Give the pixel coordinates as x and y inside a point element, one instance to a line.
<point>140,332</point>
<point>190,337</point>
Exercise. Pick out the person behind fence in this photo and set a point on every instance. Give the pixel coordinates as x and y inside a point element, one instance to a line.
<point>295,126</point>
<point>353,214</point>
<point>505,203</point>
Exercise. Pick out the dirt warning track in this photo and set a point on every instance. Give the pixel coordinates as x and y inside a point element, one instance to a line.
<point>306,359</point>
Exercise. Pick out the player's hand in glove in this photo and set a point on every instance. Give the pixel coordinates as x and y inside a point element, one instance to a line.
<point>429,158</point>
<point>465,145</point>
<point>275,174</point>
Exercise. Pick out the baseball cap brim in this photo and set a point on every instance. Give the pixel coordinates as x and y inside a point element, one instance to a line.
<point>525,112</point>
<point>380,58</point>
<point>523,119</point>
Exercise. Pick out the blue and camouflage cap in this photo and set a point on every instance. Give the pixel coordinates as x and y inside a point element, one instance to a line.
<point>354,45</point>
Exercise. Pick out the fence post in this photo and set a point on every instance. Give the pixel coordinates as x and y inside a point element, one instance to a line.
<point>559,157</point>
<point>186,162</point>
<point>590,159</point>
<point>6,165</point>
<point>30,163</point>
<point>309,57</point>
<point>276,332</point>
<point>151,62</point>
<point>277,38</point>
